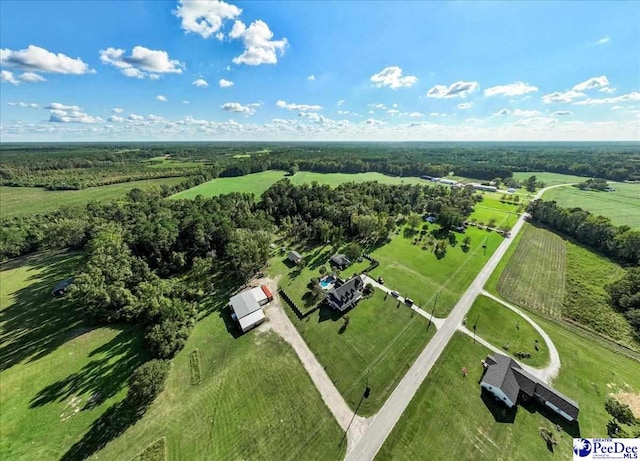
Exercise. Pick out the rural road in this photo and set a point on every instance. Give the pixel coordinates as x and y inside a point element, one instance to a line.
<point>383,422</point>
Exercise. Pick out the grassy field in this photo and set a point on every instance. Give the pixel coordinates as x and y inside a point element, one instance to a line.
<point>23,201</point>
<point>539,261</point>
<point>501,326</point>
<point>257,183</point>
<point>51,363</point>
<point>549,179</point>
<point>419,275</point>
<point>295,280</point>
<point>380,343</point>
<point>254,401</point>
<point>560,279</point>
<point>449,420</point>
<point>622,206</point>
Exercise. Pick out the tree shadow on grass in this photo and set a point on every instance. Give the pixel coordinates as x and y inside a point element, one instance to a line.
<point>36,323</point>
<point>104,376</point>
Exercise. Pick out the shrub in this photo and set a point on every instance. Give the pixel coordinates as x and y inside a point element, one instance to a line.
<point>146,382</point>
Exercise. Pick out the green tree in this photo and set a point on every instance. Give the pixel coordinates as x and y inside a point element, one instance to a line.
<point>146,382</point>
<point>247,252</point>
<point>530,183</point>
<point>414,220</point>
<point>621,412</point>
<point>449,218</point>
<point>353,251</point>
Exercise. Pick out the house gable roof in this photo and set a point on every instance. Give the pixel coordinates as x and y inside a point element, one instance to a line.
<point>343,296</point>
<point>340,260</point>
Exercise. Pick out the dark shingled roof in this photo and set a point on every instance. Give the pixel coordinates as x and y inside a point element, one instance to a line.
<point>340,260</point>
<point>505,373</point>
<point>346,294</point>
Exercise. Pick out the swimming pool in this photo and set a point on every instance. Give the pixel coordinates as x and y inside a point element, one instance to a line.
<point>327,282</point>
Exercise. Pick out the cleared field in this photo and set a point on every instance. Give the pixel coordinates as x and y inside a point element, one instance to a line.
<point>58,375</point>
<point>501,326</point>
<point>449,419</point>
<point>535,275</point>
<point>254,401</point>
<point>378,346</point>
<point>622,206</point>
<point>257,183</point>
<point>549,179</point>
<point>421,276</point>
<point>23,201</point>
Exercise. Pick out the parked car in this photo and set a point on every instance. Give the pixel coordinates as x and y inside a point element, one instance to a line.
<point>408,301</point>
<point>380,280</point>
<point>394,293</point>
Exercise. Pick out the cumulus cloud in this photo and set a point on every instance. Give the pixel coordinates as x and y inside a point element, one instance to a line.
<point>200,83</point>
<point>30,77</point>
<point>311,77</point>
<point>607,90</point>
<point>258,43</point>
<point>204,17</point>
<point>24,105</point>
<point>225,83</point>
<point>135,117</point>
<point>115,119</point>
<point>633,96</point>
<point>391,77</point>
<point>340,102</point>
<point>72,116</point>
<point>567,96</point>
<point>465,105</point>
<point>458,89</point>
<point>559,113</point>
<point>247,110</point>
<point>117,110</point>
<point>512,89</point>
<point>298,107</point>
<point>503,112</point>
<point>58,106</point>
<point>592,83</point>
<point>393,112</point>
<point>518,112</point>
<point>36,59</point>
<point>603,40</point>
<point>161,98</point>
<point>415,114</point>
<point>142,63</point>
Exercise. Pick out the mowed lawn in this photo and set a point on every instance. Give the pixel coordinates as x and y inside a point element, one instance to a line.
<point>254,401</point>
<point>429,281</point>
<point>503,327</point>
<point>257,183</point>
<point>381,342</point>
<point>448,418</point>
<point>549,179</point>
<point>23,201</point>
<point>52,365</point>
<point>491,208</point>
<point>535,275</point>
<point>622,206</point>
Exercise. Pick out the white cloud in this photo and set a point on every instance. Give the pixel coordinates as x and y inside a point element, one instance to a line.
<point>298,107</point>
<point>518,112</point>
<point>58,106</point>
<point>142,62</point>
<point>592,83</point>
<point>186,102</point>
<point>203,17</point>
<point>617,108</point>
<point>373,122</point>
<point>603,40</point>
<point>117,110</point>
<point>200,83</point>
<point>633,96</point>
<point>311,77</point>
<point>377,106</point>
<point>30,77</point>
<point>415,114</point>
<point>437,114</point>
<point>503,112</point>
<point>393,112</point>
<point>258,43</point>
<point>135,117</point>
<point>340,102</point>
<point>25,105</point>
<point>458,89</point>
<point>237,107</point>
<point>512,89</point>
<point>559,113</point>
<point>161,98</point>
<point>607,90</point>
<point>8,77</point>
<point>72,116</point>
<point>465,105</point>
<point>36,59</point>
<point>392,77</point>
<point>225,83</point>
<point>115,119</point>
<point>567,96</point>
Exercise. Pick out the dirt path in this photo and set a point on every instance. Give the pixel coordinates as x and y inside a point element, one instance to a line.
<point>282,325</point>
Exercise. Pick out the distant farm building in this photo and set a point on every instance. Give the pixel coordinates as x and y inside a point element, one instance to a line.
<point>511,190</point>
<point>294,257</point>
<point>247,307</point>
<point>482,187</point>
<point>347,294</point>
<point>448,182</point>
<point>61,287</point>
<point>340,261</point>
<point>430,219</point>
<point>509,383</point>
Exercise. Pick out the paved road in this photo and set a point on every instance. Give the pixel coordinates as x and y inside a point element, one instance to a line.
<point>383,422</point>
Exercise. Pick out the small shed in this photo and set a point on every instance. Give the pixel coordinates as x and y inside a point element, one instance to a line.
<point>61,287</point>
<point>294,257</point>
<point>340,261</point>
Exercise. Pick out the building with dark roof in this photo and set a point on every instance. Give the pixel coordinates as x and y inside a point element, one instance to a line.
<point>340,261</point>
<point>294,257</point>
<point>509,383</point>
<point>61,287</point>
<point>347,294</point>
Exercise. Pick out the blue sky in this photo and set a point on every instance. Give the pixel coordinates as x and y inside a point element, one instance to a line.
<point>210,70</point>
